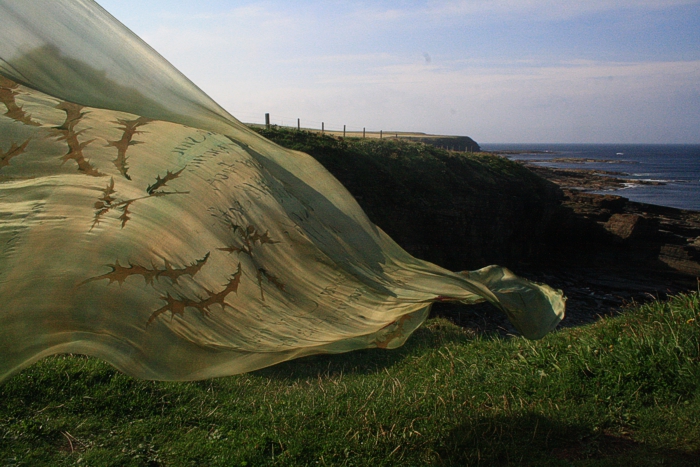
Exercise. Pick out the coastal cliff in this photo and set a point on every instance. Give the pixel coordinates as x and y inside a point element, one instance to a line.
<point>451,143</point>
<point>464,211</point>
<point>458,210</point>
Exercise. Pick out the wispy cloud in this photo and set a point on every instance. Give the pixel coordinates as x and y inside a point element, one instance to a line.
<point>577,101</point>
<point>509,9</point>
<point>494,73</point>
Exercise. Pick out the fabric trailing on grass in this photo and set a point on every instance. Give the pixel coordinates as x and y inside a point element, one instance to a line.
<point>143,224</point>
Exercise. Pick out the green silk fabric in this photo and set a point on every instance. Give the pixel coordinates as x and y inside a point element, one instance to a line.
<point>143,224</point>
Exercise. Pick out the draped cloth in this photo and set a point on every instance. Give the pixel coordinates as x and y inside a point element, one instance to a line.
<point>143,224</point>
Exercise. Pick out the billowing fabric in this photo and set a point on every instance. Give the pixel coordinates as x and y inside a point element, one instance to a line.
<point>142,224</point>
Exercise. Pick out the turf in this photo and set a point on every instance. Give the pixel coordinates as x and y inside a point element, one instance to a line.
<point>623,391</point>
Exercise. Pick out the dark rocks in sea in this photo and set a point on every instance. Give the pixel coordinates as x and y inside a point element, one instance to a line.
<point>605,251</point>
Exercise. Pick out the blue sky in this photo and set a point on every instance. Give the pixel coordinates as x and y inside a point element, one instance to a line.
<point>584,71</point>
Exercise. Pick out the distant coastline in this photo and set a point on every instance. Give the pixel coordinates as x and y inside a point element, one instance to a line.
<point>664,175</point>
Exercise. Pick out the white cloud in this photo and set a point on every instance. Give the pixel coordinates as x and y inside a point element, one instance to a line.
<point>543,9</point>
<point>578,101</point>
<point>300,63</point>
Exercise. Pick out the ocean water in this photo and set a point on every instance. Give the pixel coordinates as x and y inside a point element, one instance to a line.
<point>677,166</point>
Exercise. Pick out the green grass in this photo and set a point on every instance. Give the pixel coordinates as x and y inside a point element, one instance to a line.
<point>623,391</point>
<point>416,167</point>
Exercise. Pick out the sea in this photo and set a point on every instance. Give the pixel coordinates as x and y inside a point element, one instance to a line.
<point>676,166</point>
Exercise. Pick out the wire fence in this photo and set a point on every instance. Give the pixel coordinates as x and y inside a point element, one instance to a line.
<point>312,125</point>
<point>452,143</point>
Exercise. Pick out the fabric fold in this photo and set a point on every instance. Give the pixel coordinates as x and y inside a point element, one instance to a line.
<point>142,224</point>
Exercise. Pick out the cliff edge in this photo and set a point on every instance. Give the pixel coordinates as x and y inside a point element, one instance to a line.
<point>467,210</point>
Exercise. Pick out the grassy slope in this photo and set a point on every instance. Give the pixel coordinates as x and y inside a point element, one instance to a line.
<point>416,167</point>
<point>458,210</point>
<point>621,392</point>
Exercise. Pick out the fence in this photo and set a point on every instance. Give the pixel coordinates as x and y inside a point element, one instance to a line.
<point>452,143</point>
<point>322,126</point>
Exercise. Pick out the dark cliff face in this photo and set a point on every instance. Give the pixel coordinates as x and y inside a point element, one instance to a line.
<point>464,211</point>
<point>460,211</point>
<point>610,232</point>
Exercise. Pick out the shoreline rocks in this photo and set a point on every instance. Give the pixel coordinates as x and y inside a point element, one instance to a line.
<point>604,252</point>
<point>585,179</point>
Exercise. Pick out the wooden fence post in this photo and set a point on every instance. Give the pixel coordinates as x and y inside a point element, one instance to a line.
<point>298,124</point>
<point>322,127</point>
<point>363,133</point>
<point>267,121</point>
<point>380,134</point>
<point>343,131</point>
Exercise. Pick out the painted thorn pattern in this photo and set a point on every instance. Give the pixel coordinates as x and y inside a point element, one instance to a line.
<point>121,273</point>
<point>14,151</point>
<point>161,182</point>
<point>130,129</point>
<point>7,97</point>
<point>66,132</point>
<point>177,306</point>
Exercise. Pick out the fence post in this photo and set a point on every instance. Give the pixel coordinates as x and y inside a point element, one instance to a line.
<point>343,131</point>
<point>363,133</point>
<point>322,127</point>
<point>267,121</point>
<point>298,124</point>
<point>380,134</point>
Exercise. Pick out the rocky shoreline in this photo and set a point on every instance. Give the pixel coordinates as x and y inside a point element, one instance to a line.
<point>585,179</point>
<point>604,252</point>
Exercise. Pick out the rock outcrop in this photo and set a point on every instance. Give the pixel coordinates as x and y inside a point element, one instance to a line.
<point>614,233</point>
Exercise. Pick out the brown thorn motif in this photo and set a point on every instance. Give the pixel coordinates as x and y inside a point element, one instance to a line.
<point>125,212</point>
<point>176,306</point>
<point>250,236</point>
<point>7,97</point>
<point>66,132</point>
<point>14,151</point>
<point>161,182</point>
<point>130,128</point>
<point>107,202</point>
<point>120,273</point>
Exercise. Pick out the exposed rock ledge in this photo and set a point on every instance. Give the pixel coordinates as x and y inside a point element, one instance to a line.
<point>604,251</point>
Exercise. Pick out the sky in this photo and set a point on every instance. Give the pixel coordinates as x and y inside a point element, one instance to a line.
<point>500,71</point>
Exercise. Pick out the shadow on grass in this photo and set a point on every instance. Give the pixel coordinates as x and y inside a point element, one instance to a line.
<point>532,439</point>
<point>431,335</point>
<point>483,318</point>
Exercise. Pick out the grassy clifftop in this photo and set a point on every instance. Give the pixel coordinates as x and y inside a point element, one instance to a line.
<point>459,210</point>
<point>623,391</point>
<point>620,392</point>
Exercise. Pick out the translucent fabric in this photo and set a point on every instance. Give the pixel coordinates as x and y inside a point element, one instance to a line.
<point>142,224</point>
